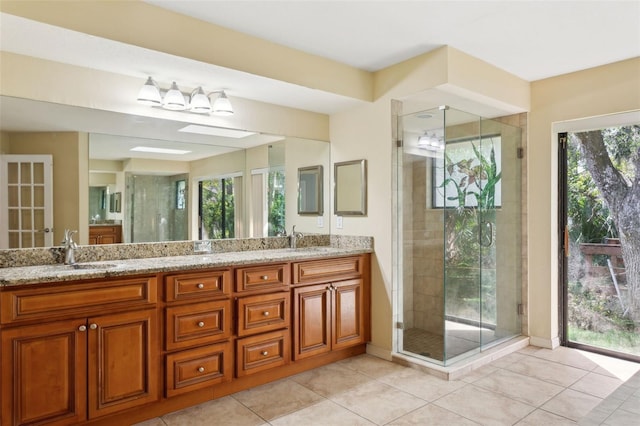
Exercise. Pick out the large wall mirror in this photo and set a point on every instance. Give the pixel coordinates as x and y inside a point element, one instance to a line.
<point>176,181</point>
<point>350,192</point>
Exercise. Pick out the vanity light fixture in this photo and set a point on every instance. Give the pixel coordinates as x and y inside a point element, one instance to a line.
<point>430,142</point>
<point>197,102</point>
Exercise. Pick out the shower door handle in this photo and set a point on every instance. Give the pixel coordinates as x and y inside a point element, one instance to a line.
<point>486,241</point>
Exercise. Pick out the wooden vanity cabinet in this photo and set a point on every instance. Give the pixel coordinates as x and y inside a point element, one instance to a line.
<point>263,318</point>
<point>72,364</point>
<point>105,234</point>
<point>330,305</point>
<point>198,330</point>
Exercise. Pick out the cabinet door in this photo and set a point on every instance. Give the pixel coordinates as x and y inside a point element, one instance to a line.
<point>347,315</point>
<point>123,361</point>
<point>312,320</point>
<point>44,372</point>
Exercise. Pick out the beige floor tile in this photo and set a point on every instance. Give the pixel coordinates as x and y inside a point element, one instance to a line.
<point>507,360</point>
<point>632,404</point>
<point>552,372</point>
<point>541,417</point>
<point>529,350</point>
<point>423,385</point>
<point>277,399</point>
<point>479,373</point>
<point>322,414</point>
<point>432,415</point>
<point>522,388</point>
<point>613,367</point>
<point>331,379</point>
<point>378,402</point>
<point>371,366</point>
<point>567,356</point>
<point>484,407</point>
<point>224,411</point>
<point>572,404</point>
<point>597,385</point>
<point>622,418</point>
<point>152,422</point>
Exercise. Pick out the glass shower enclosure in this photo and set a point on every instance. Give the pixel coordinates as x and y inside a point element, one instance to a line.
<point>459,235</point>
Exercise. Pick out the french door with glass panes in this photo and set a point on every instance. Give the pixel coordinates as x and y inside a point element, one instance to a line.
<point>26,196</point>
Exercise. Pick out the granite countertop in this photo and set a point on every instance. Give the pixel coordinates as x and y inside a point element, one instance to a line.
<point>115,268</point>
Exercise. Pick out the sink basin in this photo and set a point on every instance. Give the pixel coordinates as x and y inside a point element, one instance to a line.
<point>91,266</point>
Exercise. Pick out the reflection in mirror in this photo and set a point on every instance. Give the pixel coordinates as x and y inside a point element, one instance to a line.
<point>242,160</point>
<point>310,190</point>
<point>350,188</point>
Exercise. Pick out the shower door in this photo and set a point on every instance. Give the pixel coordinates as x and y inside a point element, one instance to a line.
<point>457,215</point>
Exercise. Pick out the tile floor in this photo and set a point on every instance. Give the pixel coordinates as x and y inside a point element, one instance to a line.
<point>532,386</point>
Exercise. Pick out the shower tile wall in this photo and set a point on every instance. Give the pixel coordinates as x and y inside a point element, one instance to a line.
<point>152,210</point>
<point>423,268</point>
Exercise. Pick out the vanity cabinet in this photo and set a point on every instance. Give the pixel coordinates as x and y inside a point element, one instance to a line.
<point>105,234</point>
<point>263,318</point>
<point>120,350</point>
<point>63,362</point>
<point>198,330</point>
<point>330,305</point>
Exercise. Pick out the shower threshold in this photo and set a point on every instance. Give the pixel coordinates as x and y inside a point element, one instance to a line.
<point>463,367</point>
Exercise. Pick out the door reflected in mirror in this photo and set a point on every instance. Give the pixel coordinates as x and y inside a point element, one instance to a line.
<point>350,195</point>
<point>310,190</point>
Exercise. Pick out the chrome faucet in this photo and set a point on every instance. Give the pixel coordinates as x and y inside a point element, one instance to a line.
<point>293,238</point>
<point>69,247</point>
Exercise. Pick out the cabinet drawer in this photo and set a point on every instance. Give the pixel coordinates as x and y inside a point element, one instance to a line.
<point>197,323</point>
<point>317,271</point>
<point>198,368</point>
<point>58,300</point>
<point>262,352</point>
<point>265,277</point>
<point>197,285</point>
<point>266,312</point>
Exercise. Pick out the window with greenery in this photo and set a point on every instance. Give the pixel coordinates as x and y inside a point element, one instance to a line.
<point>275,188</point>
<point>217,209</point>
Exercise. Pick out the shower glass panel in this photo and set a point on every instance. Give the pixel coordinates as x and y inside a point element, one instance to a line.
<point>156,209</point>
<point>459,245</point>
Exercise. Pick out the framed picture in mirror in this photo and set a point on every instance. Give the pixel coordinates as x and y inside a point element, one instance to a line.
<point>310,191</point>
<point>350,188</point>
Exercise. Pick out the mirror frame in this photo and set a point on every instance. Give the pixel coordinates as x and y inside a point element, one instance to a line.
<point>317,187</point>
<point>341,188</point>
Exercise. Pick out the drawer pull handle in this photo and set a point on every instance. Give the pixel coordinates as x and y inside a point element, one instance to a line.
<point>201,369</point>
<point>265,313</point>
<point>265,277</point>
<point>201,324</point>
<point>265,353</point>
<point>82,328</point>
<point>200,285</point>
<point>93,326</point>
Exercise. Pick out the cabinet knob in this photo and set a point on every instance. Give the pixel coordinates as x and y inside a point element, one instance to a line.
<point>201,369</point>
<point>265,353</point>
<point>82,328</point>
<point>265,313</point>
<point>265,277</point>
<point>200,285</point>
<point>93,326</point>
<point>201,324</point>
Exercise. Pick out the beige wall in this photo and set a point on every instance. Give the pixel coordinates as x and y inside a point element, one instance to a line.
<point>603,90</point>
<point>70,151</point>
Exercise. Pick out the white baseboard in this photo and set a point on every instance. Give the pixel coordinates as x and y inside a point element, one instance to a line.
<point>378,352</point>
<point>543,342</point>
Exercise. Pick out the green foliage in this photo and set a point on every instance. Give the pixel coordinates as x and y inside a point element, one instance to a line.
<point>589,218</point>
<point>276,203</point>
<point>217,222</point>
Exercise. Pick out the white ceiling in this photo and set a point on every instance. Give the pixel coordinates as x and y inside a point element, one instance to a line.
<point>531,39</point>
